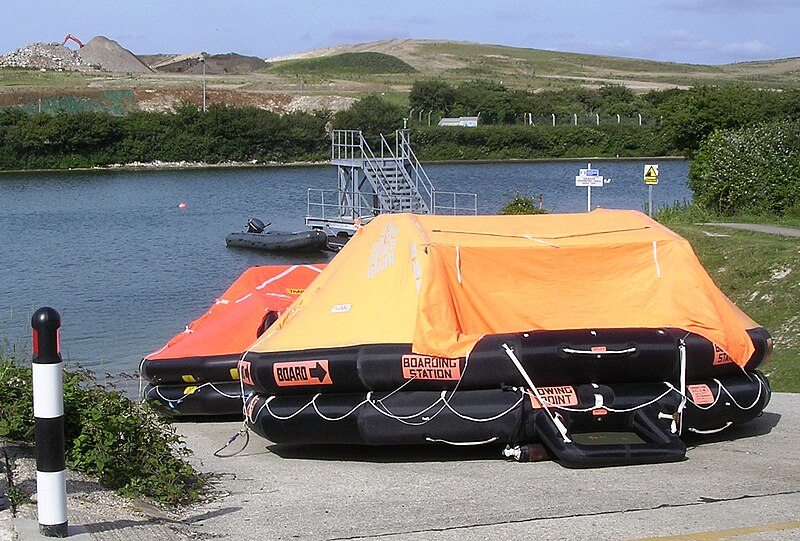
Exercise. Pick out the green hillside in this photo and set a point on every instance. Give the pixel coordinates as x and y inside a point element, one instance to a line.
<point>344,64</point>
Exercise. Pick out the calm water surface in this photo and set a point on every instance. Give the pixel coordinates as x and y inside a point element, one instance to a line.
<point>127,269</point>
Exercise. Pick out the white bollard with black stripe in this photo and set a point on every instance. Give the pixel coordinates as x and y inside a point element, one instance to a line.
<point>48,413</point>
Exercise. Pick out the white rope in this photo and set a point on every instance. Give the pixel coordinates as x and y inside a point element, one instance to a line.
<point>485,419</point>
<point>529,237</point>
<point>556,421</point>
<point>281,417</point>
<point>599,353</point>
<point>157,389</point>
<point>334,419</point>
<point>405,419</point>
<point>265,283</point>
<point>755,402</point>
<point>710,431</point>
<point>463,443</point>
<point>383,409</point>
<point>682,405</point>
<point>241,389</point>
<point>655,258</point>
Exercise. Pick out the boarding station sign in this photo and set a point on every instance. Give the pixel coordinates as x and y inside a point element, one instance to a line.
<point>590,178</point>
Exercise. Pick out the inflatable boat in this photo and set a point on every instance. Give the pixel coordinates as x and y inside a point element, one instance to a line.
<point>257,238</point>
<point>546,329</point>
<point>196,372</point>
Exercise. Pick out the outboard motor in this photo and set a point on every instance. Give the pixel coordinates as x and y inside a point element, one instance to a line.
<point>254,225</point>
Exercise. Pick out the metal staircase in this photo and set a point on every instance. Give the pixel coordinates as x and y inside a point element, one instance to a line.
<point>389,180</point>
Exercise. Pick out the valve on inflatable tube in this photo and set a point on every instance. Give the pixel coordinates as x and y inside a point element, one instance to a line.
<point>531,452</point>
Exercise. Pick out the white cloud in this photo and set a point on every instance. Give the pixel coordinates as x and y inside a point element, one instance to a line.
<point>751,48</point>
<point>681,40</point>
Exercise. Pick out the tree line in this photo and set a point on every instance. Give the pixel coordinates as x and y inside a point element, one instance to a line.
<point>704,123</point>
<point>221,134</point>
<point>684,117</point>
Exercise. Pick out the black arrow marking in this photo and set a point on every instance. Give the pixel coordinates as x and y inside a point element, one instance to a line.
<point>318,372</point>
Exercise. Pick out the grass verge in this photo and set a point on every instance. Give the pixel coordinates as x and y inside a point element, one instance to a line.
<point>760,273</point>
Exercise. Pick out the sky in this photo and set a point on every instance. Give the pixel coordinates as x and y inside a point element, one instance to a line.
<point>691,31</point>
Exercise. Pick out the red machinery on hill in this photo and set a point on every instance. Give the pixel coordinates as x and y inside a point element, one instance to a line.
<point>69,37</point>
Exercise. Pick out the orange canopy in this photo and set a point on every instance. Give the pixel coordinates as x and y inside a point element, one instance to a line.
<point>233,322</point>
<point>443,282</point>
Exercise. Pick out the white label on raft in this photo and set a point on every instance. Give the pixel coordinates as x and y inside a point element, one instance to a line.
<point>339,308</point>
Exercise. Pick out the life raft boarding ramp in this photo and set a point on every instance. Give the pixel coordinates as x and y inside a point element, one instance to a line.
<point>368,184</point>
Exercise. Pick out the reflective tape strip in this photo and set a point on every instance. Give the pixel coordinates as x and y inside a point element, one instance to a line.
<point>48,390</point>
<point>52,497</point>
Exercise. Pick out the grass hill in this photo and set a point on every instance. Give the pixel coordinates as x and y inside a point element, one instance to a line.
<point>526,68</point>
<point>335,76</point>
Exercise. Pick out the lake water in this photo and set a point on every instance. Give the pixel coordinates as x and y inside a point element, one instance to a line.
<point>127,269</point>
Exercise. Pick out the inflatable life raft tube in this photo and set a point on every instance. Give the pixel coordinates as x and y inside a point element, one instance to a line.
<point>550,358</point>
<point>203,399</point>
<point>638,423</point>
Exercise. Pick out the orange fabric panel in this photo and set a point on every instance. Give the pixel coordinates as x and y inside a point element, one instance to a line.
<point>443,282</point>
<point>617,287</point>
<point>230,326</point>
<point>367,295</point>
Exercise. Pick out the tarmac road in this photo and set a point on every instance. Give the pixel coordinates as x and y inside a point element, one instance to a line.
<point>743,484</point>
<point>770,229</point>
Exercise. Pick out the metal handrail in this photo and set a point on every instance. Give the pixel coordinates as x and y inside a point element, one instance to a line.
<point>419,173</point>
<point>351,146</point>
<point>388,200</point>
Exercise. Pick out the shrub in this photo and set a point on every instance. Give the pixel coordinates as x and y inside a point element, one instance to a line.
<point>749,170</point>
<point>125,445</point>
<point>521,204</point>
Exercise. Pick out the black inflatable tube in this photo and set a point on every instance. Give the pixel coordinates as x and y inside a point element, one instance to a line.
<point>204,399</point>
<point>188,370</point>
<point>645,412</point>
<point>549,358</point>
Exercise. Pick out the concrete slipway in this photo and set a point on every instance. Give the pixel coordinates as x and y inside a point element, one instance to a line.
<point>743,484</point>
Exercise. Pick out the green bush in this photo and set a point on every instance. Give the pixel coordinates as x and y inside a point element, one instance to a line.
<point>537,142</point>
<point>221,134</point>
<point>125,445</point>
<point>751,170</point>
<point>344,64</point>
<point>521,204</point>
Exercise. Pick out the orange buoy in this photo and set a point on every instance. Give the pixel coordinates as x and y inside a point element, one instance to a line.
<point>181,205</point>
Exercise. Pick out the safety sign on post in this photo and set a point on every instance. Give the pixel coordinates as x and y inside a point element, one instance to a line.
<point>589,177</point>
<point>651,179</point>
<point>651,174</point>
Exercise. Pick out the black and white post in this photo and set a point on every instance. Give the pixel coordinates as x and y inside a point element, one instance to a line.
<point>48,413</point>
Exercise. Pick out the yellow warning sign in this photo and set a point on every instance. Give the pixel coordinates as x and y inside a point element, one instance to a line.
<point>651,174</point>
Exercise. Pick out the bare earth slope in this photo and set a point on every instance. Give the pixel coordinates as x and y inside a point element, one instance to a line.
<point>111,56</point>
